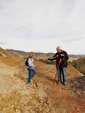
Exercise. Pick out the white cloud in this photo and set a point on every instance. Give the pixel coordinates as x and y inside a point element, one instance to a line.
<point>44,24</point>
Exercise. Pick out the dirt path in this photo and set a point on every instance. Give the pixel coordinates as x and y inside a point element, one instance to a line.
<point>17,97</point>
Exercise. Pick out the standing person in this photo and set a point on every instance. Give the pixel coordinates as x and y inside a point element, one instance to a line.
<point>31,68</point>
<point>61,58</point>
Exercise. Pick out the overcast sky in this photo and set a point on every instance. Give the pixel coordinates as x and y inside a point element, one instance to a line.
<point>42,25</point>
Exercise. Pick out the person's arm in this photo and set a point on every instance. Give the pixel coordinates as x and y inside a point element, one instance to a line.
<point>53,58</point>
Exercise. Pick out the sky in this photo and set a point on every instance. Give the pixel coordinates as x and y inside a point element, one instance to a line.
<point>42,25</point>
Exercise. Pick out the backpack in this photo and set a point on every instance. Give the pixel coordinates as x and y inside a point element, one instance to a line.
<point>26,62</point>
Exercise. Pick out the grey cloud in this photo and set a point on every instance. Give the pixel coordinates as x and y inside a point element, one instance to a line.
<point>72,39</point>
<point>2,43</point>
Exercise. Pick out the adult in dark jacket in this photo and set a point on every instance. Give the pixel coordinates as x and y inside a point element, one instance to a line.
<point>61,58</point>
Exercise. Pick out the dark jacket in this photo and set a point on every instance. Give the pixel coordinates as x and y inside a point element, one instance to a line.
<point>63,56</point>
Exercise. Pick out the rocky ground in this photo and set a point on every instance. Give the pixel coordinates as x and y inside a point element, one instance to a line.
<point>77,85</point>
<point>17,97</point>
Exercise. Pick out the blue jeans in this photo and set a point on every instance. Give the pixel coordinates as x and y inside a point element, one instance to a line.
<point>63,70</point>
<point>32,72</point>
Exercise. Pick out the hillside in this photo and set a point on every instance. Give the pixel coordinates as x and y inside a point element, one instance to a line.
<point>45,55</point>
<point>17,97</point>
<point>37,54</point>
<point>8,53</point>
<point>79,64</point>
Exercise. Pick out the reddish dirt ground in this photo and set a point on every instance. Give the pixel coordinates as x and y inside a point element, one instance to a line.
<point>17,97</point>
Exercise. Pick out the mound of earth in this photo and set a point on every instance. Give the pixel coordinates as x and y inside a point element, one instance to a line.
<point>9,53</point>
<point>2,55</point>
<point>17,97</point>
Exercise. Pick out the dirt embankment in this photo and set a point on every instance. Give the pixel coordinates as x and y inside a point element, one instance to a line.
<point>17,97</point>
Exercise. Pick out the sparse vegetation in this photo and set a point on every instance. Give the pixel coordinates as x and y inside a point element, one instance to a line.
<point>79,65</point>
<point>47,62</point>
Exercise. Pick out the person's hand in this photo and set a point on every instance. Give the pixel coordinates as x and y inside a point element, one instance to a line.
<point>34,67</point>
<point>35,59</point>
<point>46,59</point>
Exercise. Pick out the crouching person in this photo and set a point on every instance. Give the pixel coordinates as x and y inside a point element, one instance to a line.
<point>31,68</point>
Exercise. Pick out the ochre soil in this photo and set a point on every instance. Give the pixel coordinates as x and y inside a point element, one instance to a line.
<point>17,97</point>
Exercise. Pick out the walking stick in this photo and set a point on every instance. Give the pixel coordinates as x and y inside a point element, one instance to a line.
<point>33,79</point>
<point>56,73</point>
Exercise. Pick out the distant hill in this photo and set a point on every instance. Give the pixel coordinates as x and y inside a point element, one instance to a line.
<point>40,54</point>
<point>8,53</point>
<point>76,56</point>
<point>20,52</point>
<point>79,64</point>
